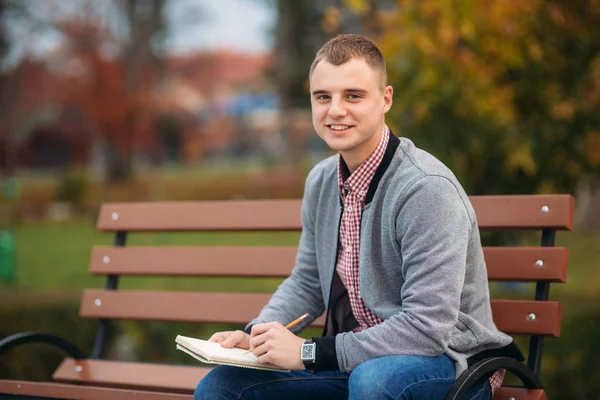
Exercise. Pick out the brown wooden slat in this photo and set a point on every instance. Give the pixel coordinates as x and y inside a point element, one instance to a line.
<point>519,263</point>
<point>505,393</point>
<point>510,315</point>
<point>144,376</point>
<point>229,215</point>
<point>167,378</point>
<point>503,263</point>
<point>493,212</point>
<point>63,391</point>
<point>524,212</point>
<point>235,308</point>
<point>276,261</point>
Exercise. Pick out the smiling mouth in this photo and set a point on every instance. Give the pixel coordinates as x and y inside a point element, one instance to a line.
<point>339,127</point>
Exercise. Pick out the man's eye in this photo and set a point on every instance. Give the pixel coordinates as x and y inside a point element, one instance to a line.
<point>322,97</point>
<point>353,96</point>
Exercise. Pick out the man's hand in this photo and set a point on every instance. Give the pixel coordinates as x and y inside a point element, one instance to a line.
<point>273,344</point>
<point>231,339</point>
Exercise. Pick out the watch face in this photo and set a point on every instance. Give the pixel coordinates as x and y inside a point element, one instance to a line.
<point>308,351</point>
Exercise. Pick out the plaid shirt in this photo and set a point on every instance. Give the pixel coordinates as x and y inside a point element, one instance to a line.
<point>353,191</point>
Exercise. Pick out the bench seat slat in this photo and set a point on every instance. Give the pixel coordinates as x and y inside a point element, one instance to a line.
<point>181,379</point>
<point>511,316</point>
<point>503,263</point>
<point>65,391</point>
<point>493,212</point>
<point>506,393</point>
<point>136,375</point>
<point>54,390</point>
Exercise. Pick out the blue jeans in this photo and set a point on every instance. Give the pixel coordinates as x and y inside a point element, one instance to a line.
<point>393,377</point>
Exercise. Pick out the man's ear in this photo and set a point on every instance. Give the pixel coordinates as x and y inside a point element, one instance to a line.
<point>388,95</point>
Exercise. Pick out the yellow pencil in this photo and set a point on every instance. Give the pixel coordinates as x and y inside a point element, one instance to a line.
<point>296,321</point>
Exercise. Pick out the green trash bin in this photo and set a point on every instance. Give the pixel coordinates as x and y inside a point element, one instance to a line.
<point>7,258</point>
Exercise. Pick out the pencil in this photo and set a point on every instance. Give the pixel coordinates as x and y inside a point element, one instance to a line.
<point>296,321</point>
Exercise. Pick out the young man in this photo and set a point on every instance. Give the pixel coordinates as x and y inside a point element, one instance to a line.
<point>390,251</point>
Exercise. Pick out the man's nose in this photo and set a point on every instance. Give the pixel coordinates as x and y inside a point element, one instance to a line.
<point>337,109</point>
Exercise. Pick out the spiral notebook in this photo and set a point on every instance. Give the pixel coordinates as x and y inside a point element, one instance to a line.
<point>213,353</point>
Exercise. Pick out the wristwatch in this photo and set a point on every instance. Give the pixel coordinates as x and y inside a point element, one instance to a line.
<point>308,354</point>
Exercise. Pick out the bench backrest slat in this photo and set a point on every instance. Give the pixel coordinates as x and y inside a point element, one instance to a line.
<point>493,212</point>
<point>258,261</point>
<point>257,215</point>
<point>511,316</point>
<point>503,263</point>
<point>524,212</point>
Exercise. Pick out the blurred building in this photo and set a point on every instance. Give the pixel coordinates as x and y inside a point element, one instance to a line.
<point>69,110</point>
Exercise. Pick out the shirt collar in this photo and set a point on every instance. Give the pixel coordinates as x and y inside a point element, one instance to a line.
<point>360,179</point>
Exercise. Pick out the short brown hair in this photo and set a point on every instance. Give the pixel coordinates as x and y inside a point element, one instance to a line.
<point>343,47</point>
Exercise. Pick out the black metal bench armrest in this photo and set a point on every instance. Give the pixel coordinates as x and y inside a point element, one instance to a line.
<point>485,368</point>
<point>29,337</point>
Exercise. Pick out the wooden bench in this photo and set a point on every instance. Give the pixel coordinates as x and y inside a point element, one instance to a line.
<point>95,377</point>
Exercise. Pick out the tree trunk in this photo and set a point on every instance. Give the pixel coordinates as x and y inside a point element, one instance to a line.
<point>587,210</point>
<point>6,157</point>
<point>285,60</point>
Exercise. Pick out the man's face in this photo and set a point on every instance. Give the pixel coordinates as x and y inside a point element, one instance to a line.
<point>348,107</point>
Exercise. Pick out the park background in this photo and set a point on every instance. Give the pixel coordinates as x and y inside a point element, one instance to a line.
<point>156,100</point>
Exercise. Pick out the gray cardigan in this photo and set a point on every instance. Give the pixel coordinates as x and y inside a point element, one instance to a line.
<point>421,264</point>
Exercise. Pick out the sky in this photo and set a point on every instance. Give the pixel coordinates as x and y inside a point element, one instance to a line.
<point>194,25</point>
<point>238,24</point>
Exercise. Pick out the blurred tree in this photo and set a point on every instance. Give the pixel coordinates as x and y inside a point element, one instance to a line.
<point>7,7</point>
<point>504,92</point>
<point>296,41</point>
<point>3,85</point>
<point>122,69</point>
<point>142,60</point>
<point>20,21</point>
<point>4,4</point>
<point>110,55</point>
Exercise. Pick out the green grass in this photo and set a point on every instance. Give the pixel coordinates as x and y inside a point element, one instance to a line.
<point>584,261</point>
<point>55,256</point>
